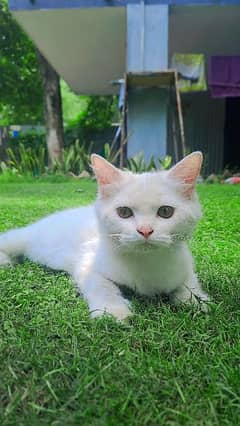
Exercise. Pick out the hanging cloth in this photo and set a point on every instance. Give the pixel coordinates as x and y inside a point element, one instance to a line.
<point>224,76</point>
<point>191,71</point>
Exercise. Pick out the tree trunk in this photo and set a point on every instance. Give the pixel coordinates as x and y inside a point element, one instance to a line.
<point>3,142</point>
<point>52,110</point>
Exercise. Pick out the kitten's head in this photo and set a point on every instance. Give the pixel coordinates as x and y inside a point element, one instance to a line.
<point>149,209</point>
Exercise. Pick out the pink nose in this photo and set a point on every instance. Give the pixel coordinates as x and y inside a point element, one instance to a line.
<point>145,231</point>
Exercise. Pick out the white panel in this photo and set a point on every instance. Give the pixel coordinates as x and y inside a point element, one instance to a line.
<point>86,46</point>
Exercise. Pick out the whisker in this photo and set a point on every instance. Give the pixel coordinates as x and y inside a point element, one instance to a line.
<point>179,237</point>
<point>122,239</point>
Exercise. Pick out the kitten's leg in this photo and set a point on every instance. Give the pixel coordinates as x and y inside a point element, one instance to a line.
<point>102,296</point>
<point>4,259</point>
<point>191,292</point>
<point>12,243</point>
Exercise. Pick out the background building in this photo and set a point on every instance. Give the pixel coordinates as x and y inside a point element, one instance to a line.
<point>92,43</point>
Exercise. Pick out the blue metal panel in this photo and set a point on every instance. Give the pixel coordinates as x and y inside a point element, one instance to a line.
<point>147,50</point>
<point>147,39</point>
<point>134,42</point>
<point>156,42</point>
<point>75,4</point>
<point>146,124</point>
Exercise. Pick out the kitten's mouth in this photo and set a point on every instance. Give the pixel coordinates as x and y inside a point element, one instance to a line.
<point>158,243</point>
<point>145,245</point>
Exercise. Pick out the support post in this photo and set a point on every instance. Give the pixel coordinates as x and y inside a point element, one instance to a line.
<point>147,51</point>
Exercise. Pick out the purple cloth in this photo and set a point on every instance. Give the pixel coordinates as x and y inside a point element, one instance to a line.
<point>224,76</point>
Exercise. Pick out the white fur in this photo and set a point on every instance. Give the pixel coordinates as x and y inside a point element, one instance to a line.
<point>100,250</point>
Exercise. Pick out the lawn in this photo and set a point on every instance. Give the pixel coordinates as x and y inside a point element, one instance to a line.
<point>166,367</point>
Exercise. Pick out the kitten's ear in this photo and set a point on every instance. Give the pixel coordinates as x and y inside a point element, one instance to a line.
<point>105,172</point>
<point>187,171</point>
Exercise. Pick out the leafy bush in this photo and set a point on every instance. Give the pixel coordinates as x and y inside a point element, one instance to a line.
<point>111,155</point>
<point>7,171</point>
<point>29,158</point>
<point>99,113</point>
<point>137,164</point>
<point>26,160</point>
<point>165,162</point>
<point>30,139</point>
<point>75,159</point>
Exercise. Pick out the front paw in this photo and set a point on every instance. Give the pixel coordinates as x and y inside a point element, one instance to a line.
<point>187,296</point>
<point>118,311</point>
<point>202,302</point>
<point>4,259</point>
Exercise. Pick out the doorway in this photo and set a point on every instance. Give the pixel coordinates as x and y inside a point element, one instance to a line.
<point>231,156</point>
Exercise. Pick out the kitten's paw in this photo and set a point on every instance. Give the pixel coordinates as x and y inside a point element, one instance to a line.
<point>118,311</point>
<point>202,302</point>
<point>198,298</point>
<point>4,259</point>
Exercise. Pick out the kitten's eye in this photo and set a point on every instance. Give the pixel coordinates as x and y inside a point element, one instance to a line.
<point>124,212</point>
<point>165,211</point>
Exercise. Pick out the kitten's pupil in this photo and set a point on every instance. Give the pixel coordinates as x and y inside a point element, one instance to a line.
<point>124,212</point>
<point>165,212</point>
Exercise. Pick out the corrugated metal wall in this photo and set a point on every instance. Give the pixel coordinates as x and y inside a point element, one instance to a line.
<point>204,120</point>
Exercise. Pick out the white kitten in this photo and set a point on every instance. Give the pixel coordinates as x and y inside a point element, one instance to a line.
<point>135,235</point>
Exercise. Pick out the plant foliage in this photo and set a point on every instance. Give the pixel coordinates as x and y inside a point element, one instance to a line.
<point>138,164</point>
<point>21,99</point>
<point>75,159</point>
<point>32,160</point>
<point>26,160</point>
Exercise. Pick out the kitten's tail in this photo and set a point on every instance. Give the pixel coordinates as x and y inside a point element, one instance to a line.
<point>13,243</point>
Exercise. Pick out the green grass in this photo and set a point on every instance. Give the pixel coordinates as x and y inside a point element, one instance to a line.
<point>167,367</point>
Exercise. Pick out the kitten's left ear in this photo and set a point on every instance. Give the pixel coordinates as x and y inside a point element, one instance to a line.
<point>187,171</point>
<point>105,172</point>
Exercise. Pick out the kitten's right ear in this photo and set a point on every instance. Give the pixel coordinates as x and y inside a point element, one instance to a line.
<point>187,171</point>
<point>105,172</point>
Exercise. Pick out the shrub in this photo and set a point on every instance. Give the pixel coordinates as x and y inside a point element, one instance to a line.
<point>137,164</point>
<point>26,160</point>
<point>75,159</point>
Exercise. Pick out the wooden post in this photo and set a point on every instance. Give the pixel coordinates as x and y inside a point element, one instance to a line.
<point>123,125</point>
<point>180,116</point>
